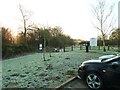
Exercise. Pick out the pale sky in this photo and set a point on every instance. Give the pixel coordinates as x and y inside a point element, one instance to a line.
<point>74,16</point>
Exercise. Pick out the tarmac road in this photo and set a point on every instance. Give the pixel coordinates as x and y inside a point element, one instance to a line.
<point>73,84</point>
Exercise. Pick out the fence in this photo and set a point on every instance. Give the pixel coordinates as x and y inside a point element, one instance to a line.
<point>112,48</point>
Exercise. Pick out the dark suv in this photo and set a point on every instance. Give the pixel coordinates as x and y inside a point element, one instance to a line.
<point>101,73</point>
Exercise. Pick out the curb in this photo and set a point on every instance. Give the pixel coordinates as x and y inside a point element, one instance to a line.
<point>66,82</point>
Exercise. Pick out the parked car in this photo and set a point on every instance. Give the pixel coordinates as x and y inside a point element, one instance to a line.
<point>104,57</point>
<point>101,73</point>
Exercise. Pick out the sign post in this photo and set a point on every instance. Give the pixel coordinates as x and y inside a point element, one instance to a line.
<point>93,41</point>
<point>87,46</point>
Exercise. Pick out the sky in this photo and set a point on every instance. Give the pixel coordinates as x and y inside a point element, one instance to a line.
<point>73,16</point>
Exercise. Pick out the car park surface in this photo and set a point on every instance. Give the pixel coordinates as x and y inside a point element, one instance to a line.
<point>73,83</point>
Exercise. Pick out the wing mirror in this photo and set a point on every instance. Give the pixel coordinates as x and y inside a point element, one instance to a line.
<point>115,65</point>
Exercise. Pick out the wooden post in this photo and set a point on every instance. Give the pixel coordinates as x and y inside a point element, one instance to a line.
<point>44,48</point>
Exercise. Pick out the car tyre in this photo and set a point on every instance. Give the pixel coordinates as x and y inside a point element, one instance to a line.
<point>94,81</point>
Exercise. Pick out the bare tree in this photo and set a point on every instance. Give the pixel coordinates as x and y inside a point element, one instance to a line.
<point>118,31</point>
<point>102,14</point>
<point>25,17</point>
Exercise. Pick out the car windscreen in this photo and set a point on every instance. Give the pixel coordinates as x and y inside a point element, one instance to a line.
<point>111,59</point>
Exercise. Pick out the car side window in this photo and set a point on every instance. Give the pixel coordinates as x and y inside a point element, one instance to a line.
<point>118,60</point>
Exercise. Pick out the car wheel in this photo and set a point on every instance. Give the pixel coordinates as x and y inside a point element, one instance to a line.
<point>94,81</point>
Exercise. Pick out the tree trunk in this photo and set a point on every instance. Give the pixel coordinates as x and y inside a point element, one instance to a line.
<point>50,52</point>
<point>108,47</point>
<point>104,49</point>
<point>25,31</point>
<point>98,47</point>
<point>72,48</point>
<point>64,49</point>
<point>44,48</point>
<point>118,40</point>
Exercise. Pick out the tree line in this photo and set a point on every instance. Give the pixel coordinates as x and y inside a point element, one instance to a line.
<point>52,36</point>
<point>31,36</point>
<point>113,40</point>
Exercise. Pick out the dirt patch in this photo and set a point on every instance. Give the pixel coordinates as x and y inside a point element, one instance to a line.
<point>71,72</point>
<point>49,66</point>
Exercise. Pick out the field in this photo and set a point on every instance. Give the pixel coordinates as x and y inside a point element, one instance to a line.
<point>31,71</point>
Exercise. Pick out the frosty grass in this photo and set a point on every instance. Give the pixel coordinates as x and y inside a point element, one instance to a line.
<point>31,71</point>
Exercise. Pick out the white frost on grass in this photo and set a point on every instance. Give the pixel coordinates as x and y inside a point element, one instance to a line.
<point>31,71</point>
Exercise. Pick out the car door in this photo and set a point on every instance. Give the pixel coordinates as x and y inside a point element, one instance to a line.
<point>113,72</point>
<point>118,73</point>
